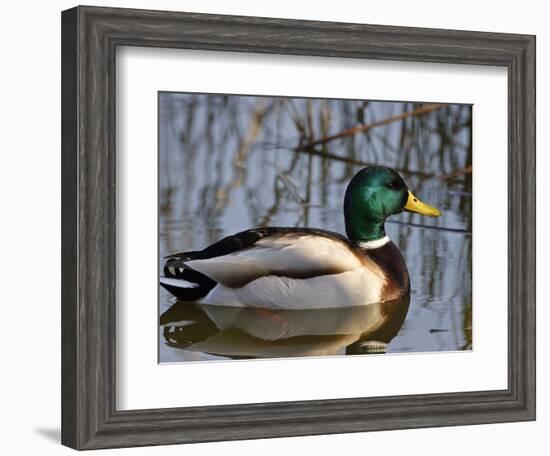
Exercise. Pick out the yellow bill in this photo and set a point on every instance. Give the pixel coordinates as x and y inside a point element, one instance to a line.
<point>415,205</point>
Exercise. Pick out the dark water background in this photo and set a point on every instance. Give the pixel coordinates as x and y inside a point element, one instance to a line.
<point>228,163</point>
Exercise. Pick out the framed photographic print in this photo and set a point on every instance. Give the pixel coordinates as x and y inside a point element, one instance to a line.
<point>278,228</point>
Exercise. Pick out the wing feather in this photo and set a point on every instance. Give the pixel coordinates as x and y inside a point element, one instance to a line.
<point>294,255</point>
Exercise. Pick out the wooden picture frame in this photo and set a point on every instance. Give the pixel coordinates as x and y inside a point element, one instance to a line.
<point>90,37</point>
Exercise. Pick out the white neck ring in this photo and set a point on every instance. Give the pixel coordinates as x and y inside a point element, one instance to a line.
<point>376,244</point>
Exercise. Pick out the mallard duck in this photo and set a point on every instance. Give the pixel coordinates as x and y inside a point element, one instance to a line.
<point>306,268</point>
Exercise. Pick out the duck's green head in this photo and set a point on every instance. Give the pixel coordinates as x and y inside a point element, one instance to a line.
<point>373,195</point>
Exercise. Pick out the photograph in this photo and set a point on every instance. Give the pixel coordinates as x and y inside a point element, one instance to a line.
<point>294,227</point>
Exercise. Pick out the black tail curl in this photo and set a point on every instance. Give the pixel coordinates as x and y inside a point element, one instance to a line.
<point>200,285</point>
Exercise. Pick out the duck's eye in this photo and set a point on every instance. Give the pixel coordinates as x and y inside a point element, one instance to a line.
<point>394,185</point>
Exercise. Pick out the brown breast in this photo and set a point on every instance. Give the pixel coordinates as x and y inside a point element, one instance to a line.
<point>389,259</point>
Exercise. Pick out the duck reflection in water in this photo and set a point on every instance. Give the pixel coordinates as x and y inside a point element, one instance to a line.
<point>242,333</point>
